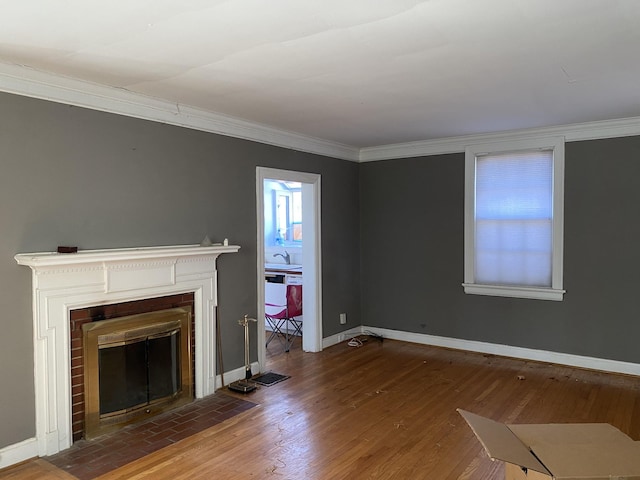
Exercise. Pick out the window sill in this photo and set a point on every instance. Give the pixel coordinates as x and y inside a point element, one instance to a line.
<point>537,293</point>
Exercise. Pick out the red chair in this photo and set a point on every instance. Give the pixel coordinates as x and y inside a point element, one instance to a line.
<point>283,304</point>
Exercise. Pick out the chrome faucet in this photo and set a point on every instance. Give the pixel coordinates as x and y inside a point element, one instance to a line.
<point>286,256</point>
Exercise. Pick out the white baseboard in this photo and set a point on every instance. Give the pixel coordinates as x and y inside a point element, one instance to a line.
<point>18,452</point>
<point>592,363</point>
<point>341,337</point>
<point>237,374</point>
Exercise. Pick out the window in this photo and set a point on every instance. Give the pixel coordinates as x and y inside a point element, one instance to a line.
<point>514,219</point>
<point>283,213</point>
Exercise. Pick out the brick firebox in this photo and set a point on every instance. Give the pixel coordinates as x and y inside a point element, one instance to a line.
<point>81,316</point>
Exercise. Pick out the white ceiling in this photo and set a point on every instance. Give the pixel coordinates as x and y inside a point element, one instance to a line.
<point>360,73</point>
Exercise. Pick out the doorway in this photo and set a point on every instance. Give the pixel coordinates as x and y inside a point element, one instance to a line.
<point>309,252</point>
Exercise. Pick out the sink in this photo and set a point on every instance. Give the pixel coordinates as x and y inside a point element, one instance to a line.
<point>281,266</point>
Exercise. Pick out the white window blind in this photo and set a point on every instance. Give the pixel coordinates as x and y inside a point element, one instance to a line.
<point>514,218</point>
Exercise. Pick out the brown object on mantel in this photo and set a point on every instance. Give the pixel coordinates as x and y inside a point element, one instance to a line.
<point>63,249</point>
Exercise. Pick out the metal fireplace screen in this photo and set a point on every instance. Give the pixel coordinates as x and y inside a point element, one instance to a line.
<point>136,366</point>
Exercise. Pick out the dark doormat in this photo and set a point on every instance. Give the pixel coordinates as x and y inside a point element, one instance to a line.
<point>269,378</point>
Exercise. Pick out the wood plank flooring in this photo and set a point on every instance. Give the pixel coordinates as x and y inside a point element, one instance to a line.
<point>381,411</point>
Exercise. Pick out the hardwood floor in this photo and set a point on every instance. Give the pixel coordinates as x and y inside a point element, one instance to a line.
<point>384,411</point>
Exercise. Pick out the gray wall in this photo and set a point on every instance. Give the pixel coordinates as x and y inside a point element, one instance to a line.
<point>412,256</point>
<point>392,233</point>
<point>71,176</point>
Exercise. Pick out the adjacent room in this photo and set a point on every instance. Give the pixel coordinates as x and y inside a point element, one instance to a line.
<point>420,216</point>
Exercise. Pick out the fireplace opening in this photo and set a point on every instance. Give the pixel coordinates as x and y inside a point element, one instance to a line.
<point>136,366</point>
<point>135,372</point>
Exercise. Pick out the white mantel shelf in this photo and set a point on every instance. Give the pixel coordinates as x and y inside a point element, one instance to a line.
<point>62,282</point>
<point>54,259</point>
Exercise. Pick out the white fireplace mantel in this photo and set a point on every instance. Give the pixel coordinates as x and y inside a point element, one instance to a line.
<point>66,281</point>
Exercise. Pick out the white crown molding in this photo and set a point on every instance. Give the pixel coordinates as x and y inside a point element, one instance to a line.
<point>25,81</point>
<point>624,127</point>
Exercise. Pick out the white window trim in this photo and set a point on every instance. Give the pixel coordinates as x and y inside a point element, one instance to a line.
<point>556,291</point>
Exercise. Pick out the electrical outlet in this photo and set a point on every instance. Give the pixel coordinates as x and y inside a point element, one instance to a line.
<point>343,319</point>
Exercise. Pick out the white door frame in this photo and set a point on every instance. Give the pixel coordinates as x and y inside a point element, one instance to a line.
<point>311,257</point>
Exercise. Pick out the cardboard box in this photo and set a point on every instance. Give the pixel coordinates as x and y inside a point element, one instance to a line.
<point>582,451</point>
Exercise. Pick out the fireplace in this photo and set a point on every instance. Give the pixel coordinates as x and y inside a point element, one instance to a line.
<point>135,367</point>
<point>79,318</point>
<point>63,283</point>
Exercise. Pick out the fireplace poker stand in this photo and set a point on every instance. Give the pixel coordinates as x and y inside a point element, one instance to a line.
<point>245,386</point>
